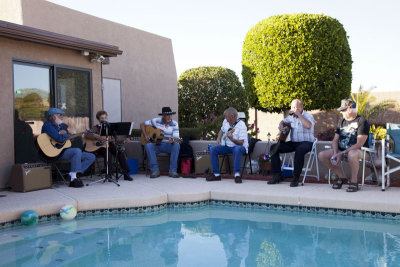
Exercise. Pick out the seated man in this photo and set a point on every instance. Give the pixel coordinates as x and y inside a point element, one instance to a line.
<point>170,129</point>
<point>351,134</point>
<point>80,161</point>
<point>301,141</point>
<point>94,134</point>
<point>232,139</point>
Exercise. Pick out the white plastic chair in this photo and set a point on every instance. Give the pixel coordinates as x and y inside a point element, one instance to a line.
<point>312,157</point>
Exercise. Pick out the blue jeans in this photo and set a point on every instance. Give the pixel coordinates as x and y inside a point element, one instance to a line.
<point>237,152</point>
<point>152,150</point>
<point>80,160</point>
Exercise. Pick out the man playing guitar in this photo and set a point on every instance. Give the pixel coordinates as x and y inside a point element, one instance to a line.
<point>170,129</point>
<point>233,136</point>
<point>80,161</point>
<point>301,141</point>
<point>94,134</point>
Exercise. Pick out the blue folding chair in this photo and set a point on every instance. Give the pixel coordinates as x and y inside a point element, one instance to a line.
<point>392,136</point>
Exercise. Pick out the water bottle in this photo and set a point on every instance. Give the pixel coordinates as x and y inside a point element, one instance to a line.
<point>372,142</point>
<point>334,161</point>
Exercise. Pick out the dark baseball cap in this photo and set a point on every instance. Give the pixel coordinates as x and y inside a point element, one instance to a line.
<point>347,103</point>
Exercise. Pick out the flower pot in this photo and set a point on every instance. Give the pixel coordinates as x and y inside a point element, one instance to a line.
<point>265,167</point>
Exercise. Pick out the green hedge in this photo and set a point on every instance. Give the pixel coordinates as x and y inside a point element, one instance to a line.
<point>302,56</point>
<point>194,132</point>
<point>208,89</point>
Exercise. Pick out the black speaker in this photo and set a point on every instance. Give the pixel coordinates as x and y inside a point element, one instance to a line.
<point>29,177</point>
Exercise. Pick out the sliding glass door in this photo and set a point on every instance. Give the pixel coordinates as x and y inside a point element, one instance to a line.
<point>73,97</point>
<point>34,94</point>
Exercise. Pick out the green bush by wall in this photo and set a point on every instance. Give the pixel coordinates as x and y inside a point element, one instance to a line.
<point>205,89</point>
<point>303,56</point>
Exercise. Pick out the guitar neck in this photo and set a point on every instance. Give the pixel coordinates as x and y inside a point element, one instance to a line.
<point>226,134</point>
<point>72,136</point>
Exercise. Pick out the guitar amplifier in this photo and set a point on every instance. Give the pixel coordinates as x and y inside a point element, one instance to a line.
<point>29,177</point>
<point>202,163</point>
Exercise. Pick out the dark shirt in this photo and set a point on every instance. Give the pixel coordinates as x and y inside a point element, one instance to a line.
<point>53,130</point>
<point>348,131</point>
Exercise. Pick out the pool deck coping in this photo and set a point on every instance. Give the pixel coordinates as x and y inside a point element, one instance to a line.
<point>144,192</point>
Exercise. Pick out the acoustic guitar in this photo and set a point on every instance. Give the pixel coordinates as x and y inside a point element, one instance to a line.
<point>92,145</point>
<point>281,137</point>
<point>156,136</point>
<point>224,136</point>
<point>50,147</point>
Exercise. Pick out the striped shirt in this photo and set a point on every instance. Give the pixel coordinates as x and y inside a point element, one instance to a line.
<point>171,130</point>
<point>299,133</point>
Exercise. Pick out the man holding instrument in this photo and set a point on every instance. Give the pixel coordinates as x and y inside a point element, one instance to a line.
<point>232,139</point>
<point>94,135</point>
<point>301,141</point>
<point>80,161</point>
<point>170,131</point>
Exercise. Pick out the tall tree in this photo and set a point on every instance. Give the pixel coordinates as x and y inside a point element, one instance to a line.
<point>303,56</point>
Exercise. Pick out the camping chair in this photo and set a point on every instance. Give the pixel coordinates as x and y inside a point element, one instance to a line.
<point>393,133</point>
<point>312,157</point>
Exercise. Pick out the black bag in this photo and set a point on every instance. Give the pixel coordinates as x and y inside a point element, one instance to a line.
<point>252,144</point>
<point>185,152</point>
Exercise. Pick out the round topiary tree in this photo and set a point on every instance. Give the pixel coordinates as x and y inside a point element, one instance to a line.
<point>303,56</point>
<point>206,90</point>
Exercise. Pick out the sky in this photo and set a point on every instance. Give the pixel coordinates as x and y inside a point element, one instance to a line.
<point>211,32</point>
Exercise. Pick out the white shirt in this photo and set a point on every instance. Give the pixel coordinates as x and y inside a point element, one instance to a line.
<point>239,134</point>
<point>299,133</point>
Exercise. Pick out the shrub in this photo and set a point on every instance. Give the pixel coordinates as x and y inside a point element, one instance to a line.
<point>210,126</point>
<point>194,132</point>
<point>205,89</point>
<point>303,56</point>
<point>328,135</point>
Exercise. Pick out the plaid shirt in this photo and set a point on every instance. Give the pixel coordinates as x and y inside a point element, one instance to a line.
<point>171,130</point>
<point>299,133</point>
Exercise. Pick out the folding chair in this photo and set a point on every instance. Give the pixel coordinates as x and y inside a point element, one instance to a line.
<point>146,162</point>
<point>393,133</point>
<point>52,162</point>
<point>246,157</point>
<point>312,157</point>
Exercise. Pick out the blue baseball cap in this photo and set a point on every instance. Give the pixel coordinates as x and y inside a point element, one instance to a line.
<point>53,111</point>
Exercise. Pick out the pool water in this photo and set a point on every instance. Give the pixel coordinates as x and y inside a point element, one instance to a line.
<point>206,236</point>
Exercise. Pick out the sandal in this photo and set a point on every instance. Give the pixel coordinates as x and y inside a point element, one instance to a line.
<point>338,183</point>
<point>353,187</point>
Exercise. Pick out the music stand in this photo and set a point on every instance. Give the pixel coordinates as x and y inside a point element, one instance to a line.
<point>120,128</point>
<point>106,130</point>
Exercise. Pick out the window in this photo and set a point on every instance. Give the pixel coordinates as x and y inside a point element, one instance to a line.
<point>34,94</point>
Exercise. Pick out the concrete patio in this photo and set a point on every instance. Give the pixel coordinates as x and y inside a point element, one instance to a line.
<point>144,191</point>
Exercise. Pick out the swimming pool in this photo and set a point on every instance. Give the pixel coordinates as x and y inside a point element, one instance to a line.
<point>205,236</point>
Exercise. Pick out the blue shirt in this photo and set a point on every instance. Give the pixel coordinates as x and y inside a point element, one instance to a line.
<point>53,130</point>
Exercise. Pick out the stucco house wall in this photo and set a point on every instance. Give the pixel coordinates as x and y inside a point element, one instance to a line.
<point>12,49</point>
<point>146,68</point>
